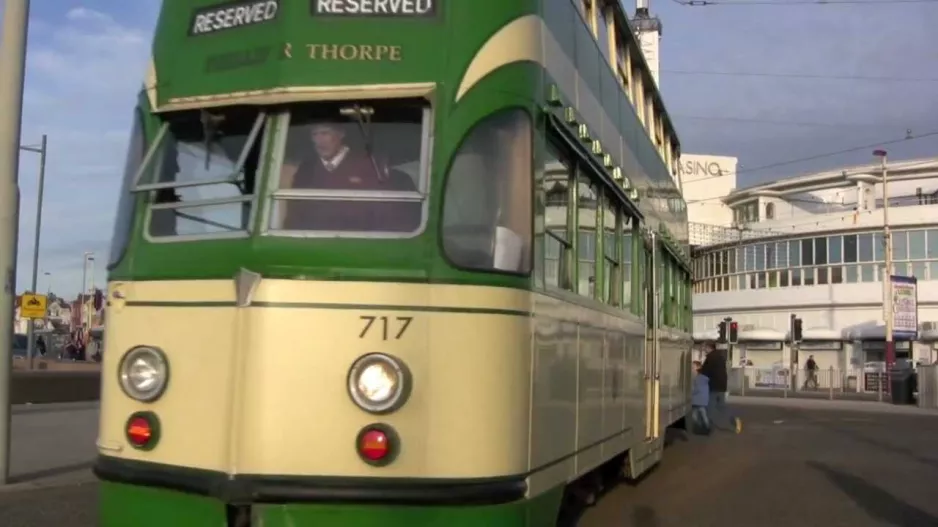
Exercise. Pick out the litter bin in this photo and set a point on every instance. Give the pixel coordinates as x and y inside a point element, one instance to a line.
<point>902,386</point>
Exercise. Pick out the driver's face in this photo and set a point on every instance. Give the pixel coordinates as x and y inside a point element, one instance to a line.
<point>327,140</point>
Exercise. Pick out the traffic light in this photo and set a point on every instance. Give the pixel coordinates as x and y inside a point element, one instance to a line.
<point>722,327</point>
<point>734,332</point>
<point>796,329</point>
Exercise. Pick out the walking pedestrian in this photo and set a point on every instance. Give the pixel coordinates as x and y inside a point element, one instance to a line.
<point>714,367</point>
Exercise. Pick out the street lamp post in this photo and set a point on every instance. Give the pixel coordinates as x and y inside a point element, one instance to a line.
<point>91,292</point>
<point>887,276</point>
<point>88,258</point>
<point>12,64</point>
<point>41,150</point>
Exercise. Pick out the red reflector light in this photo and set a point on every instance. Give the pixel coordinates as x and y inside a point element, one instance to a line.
<point>374,445</point>
<point>139,431</point>
<point>143,430</point>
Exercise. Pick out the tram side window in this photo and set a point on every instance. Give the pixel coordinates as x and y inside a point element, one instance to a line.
<point>628,264</point>
<point>353,169</point>
<point>612,272</point>
<point>558,246</point>
<point>587,206</point>
<point>123,224</point>
<point>205,173</point>
<point>487,203</point>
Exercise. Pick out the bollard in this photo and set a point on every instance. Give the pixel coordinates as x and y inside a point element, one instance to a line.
<point>745,380</point>
<point>879,387</point>
<point>830,384</point>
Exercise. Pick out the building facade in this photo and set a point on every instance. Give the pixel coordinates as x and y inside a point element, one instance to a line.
<point>813,246</point>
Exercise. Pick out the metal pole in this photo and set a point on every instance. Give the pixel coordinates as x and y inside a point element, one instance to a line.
<point>83,290</point>
<point>12,63</point>
<point>30,331</point>
<point>887,278</point>
<point>90,307</point>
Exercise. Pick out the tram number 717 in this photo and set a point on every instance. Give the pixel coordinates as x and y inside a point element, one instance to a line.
<point>400,326</point>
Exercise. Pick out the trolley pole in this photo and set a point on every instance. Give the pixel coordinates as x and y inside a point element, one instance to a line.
<point>887,277</point>
<point>30,332</point>
<point>12,64</point>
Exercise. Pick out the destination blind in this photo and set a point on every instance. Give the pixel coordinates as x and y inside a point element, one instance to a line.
<point>233,15</point>
<point>383,8</point>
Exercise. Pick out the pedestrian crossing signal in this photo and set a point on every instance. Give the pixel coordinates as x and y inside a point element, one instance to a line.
<point>796,330</point>
<point>734,333</point>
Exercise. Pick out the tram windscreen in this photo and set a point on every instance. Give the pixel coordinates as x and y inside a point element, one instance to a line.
<point>205,172</point>
<point>354,168</point>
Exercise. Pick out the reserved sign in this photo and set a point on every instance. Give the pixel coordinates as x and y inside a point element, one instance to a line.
<point>375,8</point>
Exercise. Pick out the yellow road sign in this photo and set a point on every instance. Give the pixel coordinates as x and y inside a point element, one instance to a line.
<point>33,306</point>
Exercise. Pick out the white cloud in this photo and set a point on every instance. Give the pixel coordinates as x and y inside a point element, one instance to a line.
<point>83,74</point>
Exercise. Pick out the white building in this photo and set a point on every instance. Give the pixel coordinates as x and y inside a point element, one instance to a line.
<point>813,246</point>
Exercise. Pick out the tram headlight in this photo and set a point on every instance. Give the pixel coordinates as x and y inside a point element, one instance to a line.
<point>378,383</point>
<point>143,373</point>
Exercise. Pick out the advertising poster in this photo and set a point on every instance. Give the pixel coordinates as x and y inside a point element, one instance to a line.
<point>904,306</point>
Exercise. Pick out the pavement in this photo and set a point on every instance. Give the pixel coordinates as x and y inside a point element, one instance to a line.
<point>797,462</point>
<point>52,445</point>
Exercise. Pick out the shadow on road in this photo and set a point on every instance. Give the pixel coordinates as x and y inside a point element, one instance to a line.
<point>51,472</point>
<point>875,501</point>
<point>644,517</point>
<point>887,446</point>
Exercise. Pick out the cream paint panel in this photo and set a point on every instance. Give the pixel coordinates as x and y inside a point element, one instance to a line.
<point>150,83</point>
<point>514,42</point>
<point>466,417</point>
<point>290,94</point>
<point>568,415</point>
<point>370,293</point>
<point>194,411</point>
<point>461,421</point>
<point>518,41</point>
<point>177,291</point>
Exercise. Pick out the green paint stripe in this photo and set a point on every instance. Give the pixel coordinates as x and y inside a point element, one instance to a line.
<point>347,307</point>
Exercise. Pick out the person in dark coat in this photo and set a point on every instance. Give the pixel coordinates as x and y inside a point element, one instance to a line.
<point>715,368</point>
<point>332,165</point>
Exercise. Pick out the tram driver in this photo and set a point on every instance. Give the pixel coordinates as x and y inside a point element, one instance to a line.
<point>332,164</point>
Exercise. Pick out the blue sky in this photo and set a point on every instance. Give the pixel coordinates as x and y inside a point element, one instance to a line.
<point>87,59</point>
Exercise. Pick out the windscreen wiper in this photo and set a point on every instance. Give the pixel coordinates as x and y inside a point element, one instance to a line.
<point>210,124</point>
<point>362,116</point>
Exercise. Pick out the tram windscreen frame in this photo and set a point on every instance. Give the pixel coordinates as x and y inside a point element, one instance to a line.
<point>201,174</point>
<point>352,169</point>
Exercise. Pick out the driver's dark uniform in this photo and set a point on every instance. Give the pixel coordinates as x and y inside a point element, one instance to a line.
<point>353,172</point>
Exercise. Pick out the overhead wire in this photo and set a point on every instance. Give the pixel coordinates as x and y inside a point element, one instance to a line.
<point>908,137</point>
<point>679,116</point>
<point>815,76</point>
<point>707,3</point>
<point>704,200</point>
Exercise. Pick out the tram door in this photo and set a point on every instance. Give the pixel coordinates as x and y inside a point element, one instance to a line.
<point>652,336</point>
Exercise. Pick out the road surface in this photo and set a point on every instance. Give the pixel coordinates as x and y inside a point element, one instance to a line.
<point>52,444</point>
<point>804,463</point>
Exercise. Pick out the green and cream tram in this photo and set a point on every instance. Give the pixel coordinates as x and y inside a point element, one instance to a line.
<point>391,263</point>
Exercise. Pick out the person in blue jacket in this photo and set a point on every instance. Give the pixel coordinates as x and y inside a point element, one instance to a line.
<point>700,399</point>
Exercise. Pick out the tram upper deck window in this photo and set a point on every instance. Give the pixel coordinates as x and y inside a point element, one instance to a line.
<point>202,173</point>
<point>487,219</point>
<point>353,169</point>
